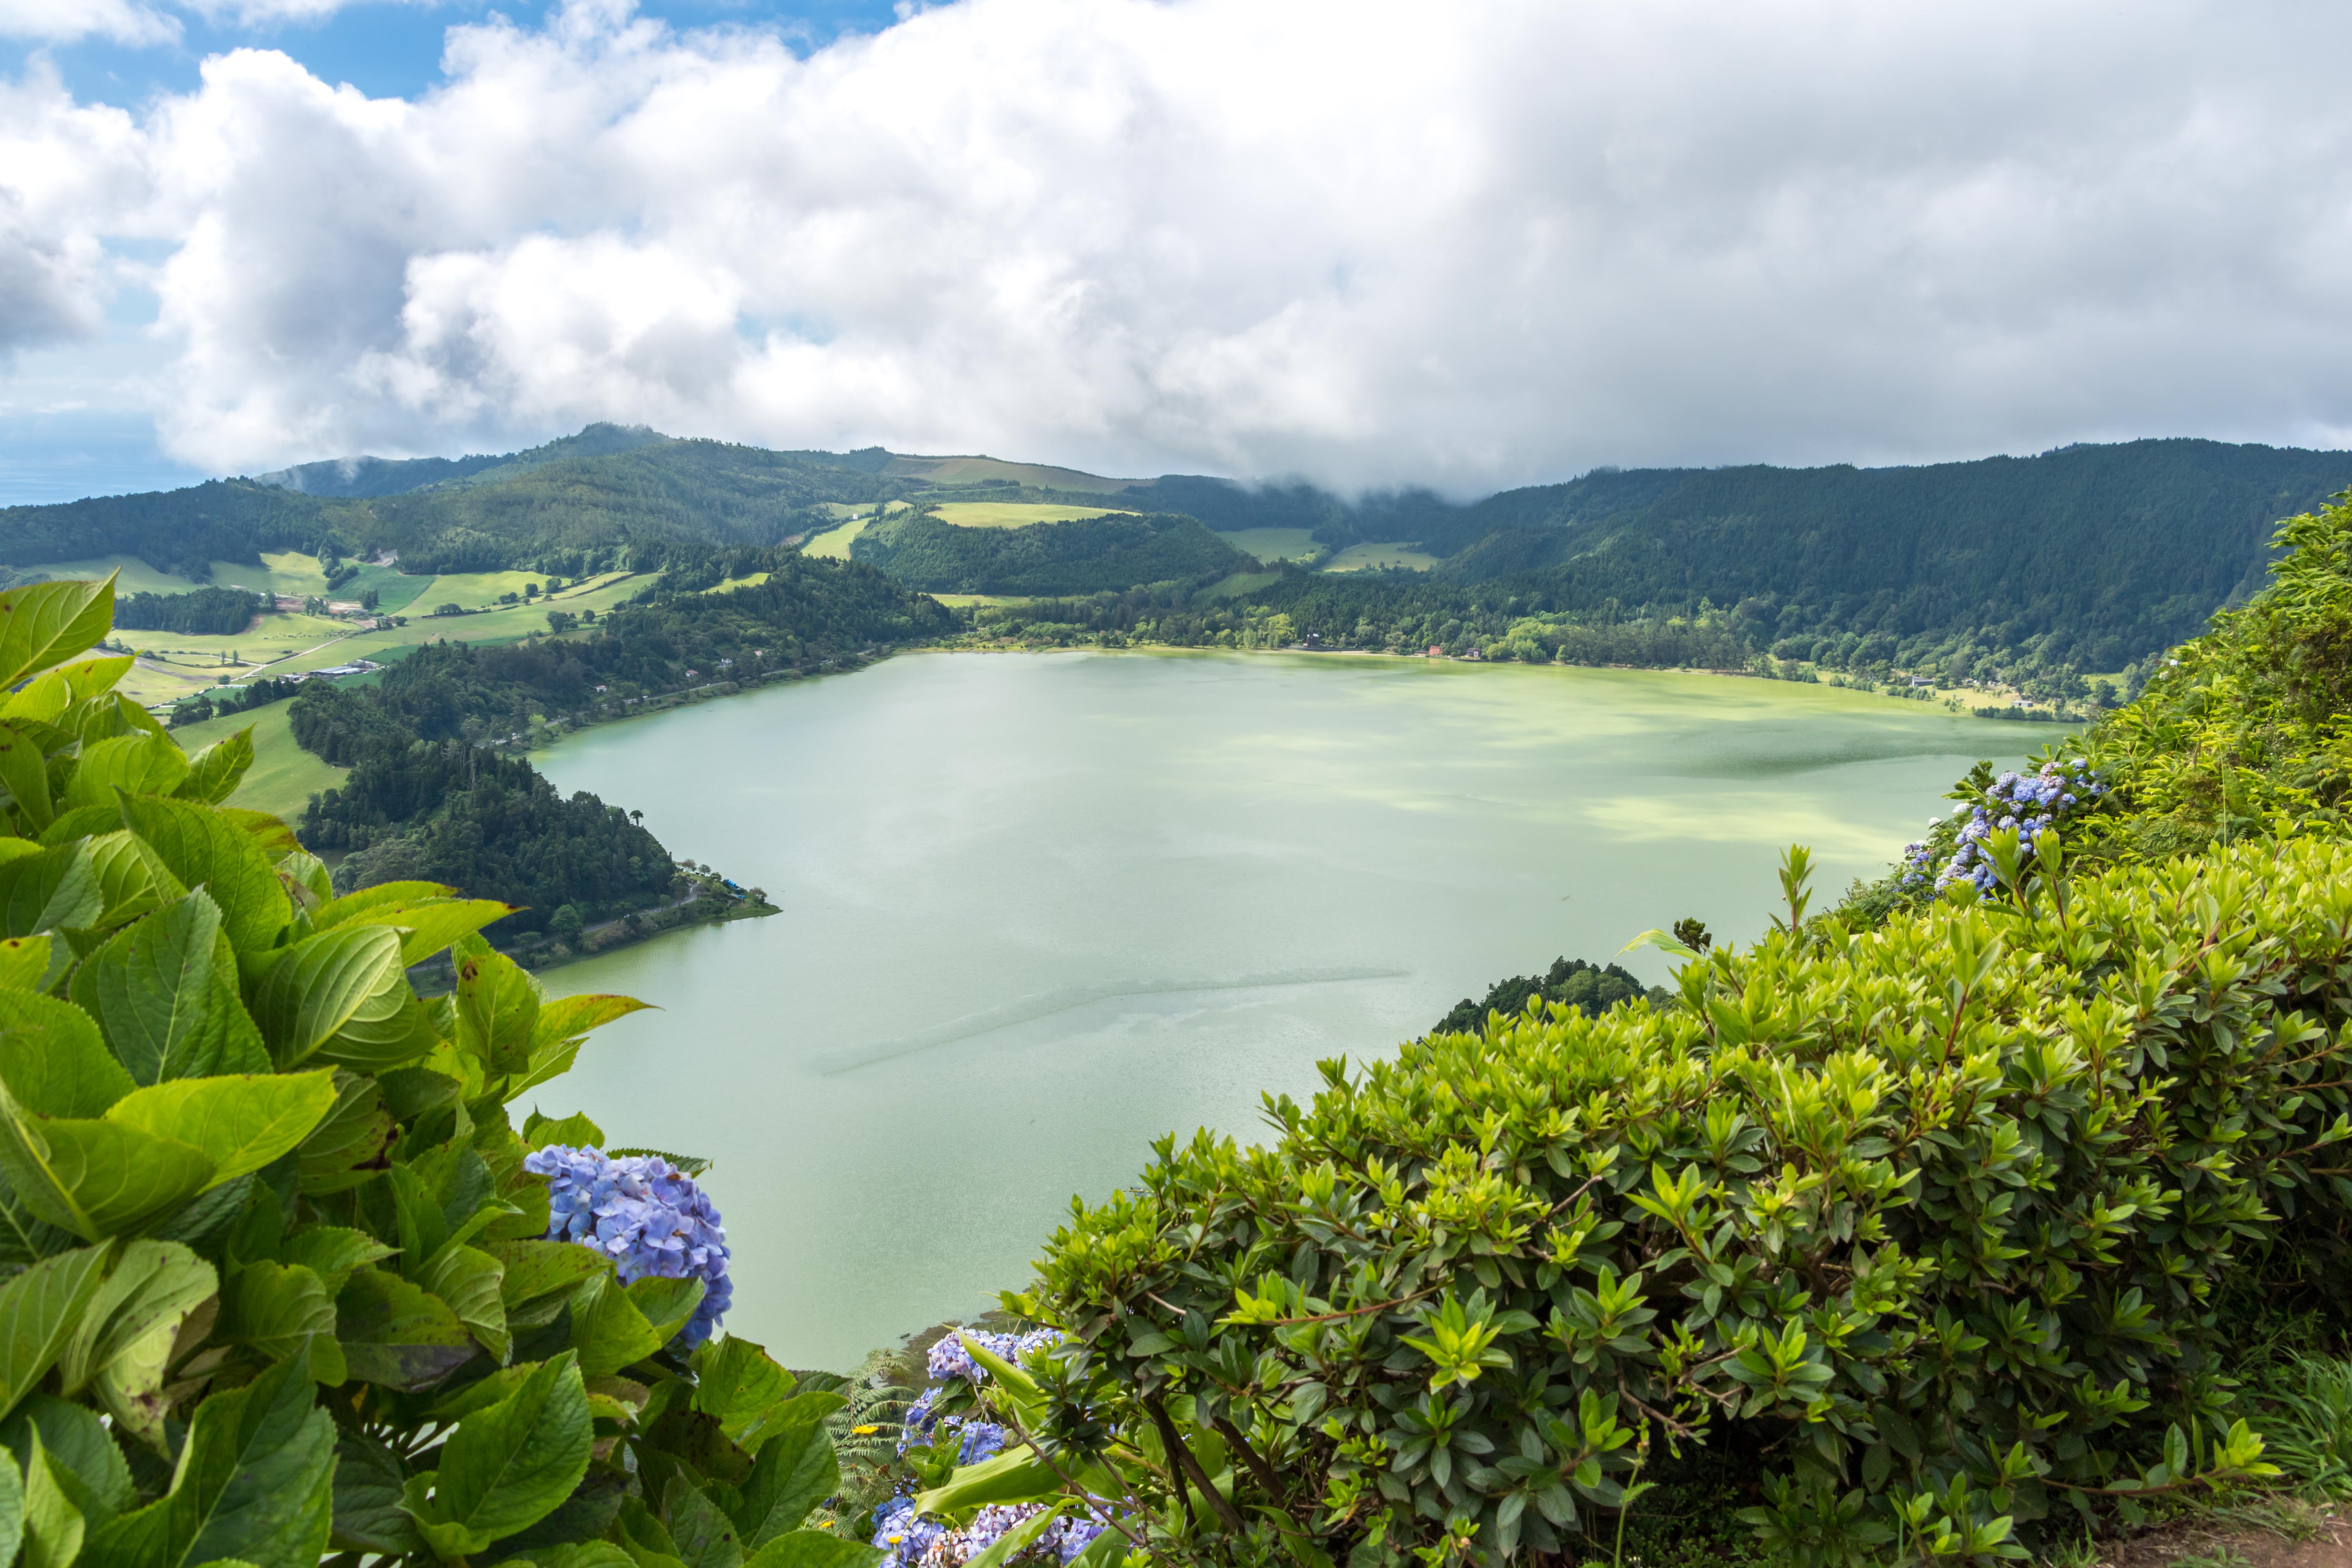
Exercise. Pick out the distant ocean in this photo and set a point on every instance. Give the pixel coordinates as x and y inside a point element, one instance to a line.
<point>68,455</point>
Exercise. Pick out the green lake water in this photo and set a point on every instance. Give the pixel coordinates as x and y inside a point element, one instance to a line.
<point>1039,909</point>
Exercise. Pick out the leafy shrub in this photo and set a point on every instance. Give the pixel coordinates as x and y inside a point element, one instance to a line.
<point>282,1281</point>
<point>1936,1213</point>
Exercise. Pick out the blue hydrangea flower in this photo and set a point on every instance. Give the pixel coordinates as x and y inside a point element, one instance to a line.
<point>949,1357</point>
<point>904,1537</point>
<point>644,1213</point>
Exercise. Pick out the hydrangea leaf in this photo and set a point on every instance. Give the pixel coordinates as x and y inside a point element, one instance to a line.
<point>706,1538</point>
<point>389,1031</point>
<point>48,696</point>
<point>568,1016</point>
<point>795,1470</point>
<point>667,1303</point>
<point>158,993</point>
<point>139,764</point>
<point>53,1527</point>
<point>813,1549</point>
<point>738,1382</point>
<point>215,773</point>
<point>54,890</point>
<point>382,895</point>
<point>323,983</point>
<point>428,926</point>
<point>498,1007</point>
<point>203,845</point>
<point>273,1307</point>
<point>468,1279</point>
<point>646,1539</point>
<point>352,1136</point>
<point>538,1277</point>
<point>504,1468</point>
<point>572,1131</point>
<point>1015,1476</point>
<point>96,1178</point>
<point>307,877</point>
<point>608,1330</point>
<point>53,1060</point>
<point>126,1332</point>
<point>254,1483</point>
<point>397,1333</point>
<point>132,878</point>
<point>12,1512</point>
<point>577,1554</point>
<point>367,1513</point>
<point>74,1437</point>
<point>24,772</point>
<point>332,1252</point>
<point>241,1121</point>
<point>28,963</point>
<point>45,624</point>
<point>268,832</point>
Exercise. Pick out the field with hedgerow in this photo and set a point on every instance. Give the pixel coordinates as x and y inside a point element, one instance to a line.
<point>2005,1204</point>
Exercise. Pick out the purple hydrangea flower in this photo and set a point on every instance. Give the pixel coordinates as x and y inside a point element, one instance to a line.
<point>647,1216</point>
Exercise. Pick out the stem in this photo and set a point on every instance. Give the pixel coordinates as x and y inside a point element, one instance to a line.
<point>1190,1467</point>
<point>1169,1444</point>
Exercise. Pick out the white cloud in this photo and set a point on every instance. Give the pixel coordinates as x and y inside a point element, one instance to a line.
<point>69,21</point>
<point>1368,242</point>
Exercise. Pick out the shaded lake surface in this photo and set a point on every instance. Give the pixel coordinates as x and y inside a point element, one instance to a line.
<point>1039,909</point>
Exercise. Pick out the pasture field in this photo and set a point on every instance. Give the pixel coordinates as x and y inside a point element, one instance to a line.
<point>1367,557</point>
<point>1271,544</point>
<point>754,581</point>
<point>283,776</point>
<point>137,577</point>
<point>833,543</point>
<point>1016,514</point>
<point>963,601</point>
<point>968,471</point>
<point>1238,583</point>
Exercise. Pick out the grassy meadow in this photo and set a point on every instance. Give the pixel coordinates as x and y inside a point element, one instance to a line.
<point>1016,514</point>
<point>1367,557</point>
<point>283,776</point>
<point>1271,544</point>
<point>833,543</point>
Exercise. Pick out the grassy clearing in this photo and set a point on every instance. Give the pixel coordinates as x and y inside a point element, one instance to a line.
<point>1240,582</point>
<point>137,577</point>
<point>283,776</point>
<point>1366,557</point>
<point>971,470</point>
<point>1016,514</point>
<point>833,543</point>
<point>1271,544</point>
<point>964,601</point>
<point>754,581</point>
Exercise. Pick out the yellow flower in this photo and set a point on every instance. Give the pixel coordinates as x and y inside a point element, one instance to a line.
<point>864,1431</point>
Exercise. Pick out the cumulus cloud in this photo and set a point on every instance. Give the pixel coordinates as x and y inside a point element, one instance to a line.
<point>71,21</point>
<point>1367,242</point>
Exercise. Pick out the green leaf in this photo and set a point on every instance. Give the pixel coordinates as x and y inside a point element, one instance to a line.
<point>12,1512</point>
<point>397,1333</point>
<point>203,846</point>
<point>157,990</point>
<point>215,773</point>
<point>796,1469</point>
<point>381,895</point>
<point>609,1331</point>
<point>325,982</point>
<point>332,1252</point>
<point>47,697</point>
<point>254,1483</point>
<point>132,878</point>
<point>343,1150</point>
<point>738,1382</point>
<point>568,1016</point>
<point>53,1527</point>
<point>1665,941</point>
<point>1015,1476</point>
<point>538,1277</point>
<point>468,1279</point>
<point>367,1513</point>
<point>667,1303</point>
<point>141,764</point>
<point>506,1468</point>
<point>45,623</point>
<point>28,963</point>
<point>54,890</point>
<point>241,1121</point>
<point>52,1059</point>
<point>813,1549</point>
<point>428,926</point>
<point>77,1441</point>
<point>577,1554</point>
<point>705,1537</point>
<point>574,1132</point>
<point>498,1007</point>
<point>1019,1537</point>
<point>274,1307</point>
<point>126,1332</point>
<point>98,1178</point>
<point>24,772</point>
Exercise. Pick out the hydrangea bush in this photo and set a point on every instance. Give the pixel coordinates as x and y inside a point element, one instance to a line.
<point>282,1275</point>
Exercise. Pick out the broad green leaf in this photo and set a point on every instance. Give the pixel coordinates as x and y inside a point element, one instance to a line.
<point>53,1527</point>
<point>796,1469</point>
<point>381,896</point>
<point>51,890</point>
<point>27,963</point>
<point>367,1515</point>
<point>705,1537</point>
<point>1015,1476</point>
<point>433,924</point>
<point>11,1511</point>
<point>253,1484</point>
<point>273,1307</point>
<point>397,1333</point>
<point>568,1016</point>
<point>268,831</point>
<point>39,1309</point>
<point>96,1178</point>
<point>577,1554</point>
<point>52,1059</point>
<point>141,764</point>
<point>343,1150</point>
<point>24,1237</point>
<point>157,991</point>
<point>646,1539</point>
<point>308,875</point>
<point>24,772</point>
<point>608,1330</point>
<point>45,624</point>
<point>738,1382</point>
<point>203,846</point>
<point>391,1030</point>
<point>498,1007</point>
<point>506,1468</point>
<point>83,822</point>
<point>126,1332</point>
<point>546,1066</point>
<point>215,773</point>
<point>540,1275</point>
<point>468,1279</point>
<point>667,1303</point>
<point>47,698</point>
<point>131,878</point>
<point>332,1252</point>
<point>91,1466</point>
<point>324,982</point>
<point>574,1132</point>
<point>813,1549</point>
<point>241,1121</point>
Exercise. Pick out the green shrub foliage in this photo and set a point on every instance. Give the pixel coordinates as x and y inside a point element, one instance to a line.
<point>277,1283</point>
<point>1936,1212</point>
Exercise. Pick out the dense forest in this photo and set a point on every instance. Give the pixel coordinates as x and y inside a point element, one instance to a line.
<point>1076,557</point>
<point>214,611</point>
<point>429,795</point>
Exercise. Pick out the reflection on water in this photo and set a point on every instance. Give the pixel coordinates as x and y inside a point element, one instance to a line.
<point>1039,909</point>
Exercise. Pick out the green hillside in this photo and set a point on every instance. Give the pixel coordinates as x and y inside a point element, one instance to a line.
<point>1083,556</point>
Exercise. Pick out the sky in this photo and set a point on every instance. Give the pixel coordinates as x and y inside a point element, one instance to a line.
<point>1371,243</point>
